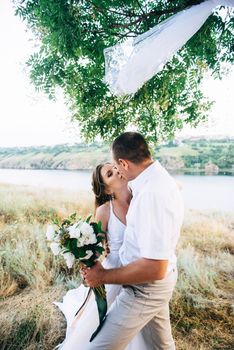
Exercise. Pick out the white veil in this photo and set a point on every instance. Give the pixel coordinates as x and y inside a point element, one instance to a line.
<point>130,64</point>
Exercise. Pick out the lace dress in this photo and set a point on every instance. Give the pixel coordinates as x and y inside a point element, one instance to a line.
<point>80,329</point>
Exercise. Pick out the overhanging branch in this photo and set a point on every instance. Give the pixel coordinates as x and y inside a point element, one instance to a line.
<point>143,17</point>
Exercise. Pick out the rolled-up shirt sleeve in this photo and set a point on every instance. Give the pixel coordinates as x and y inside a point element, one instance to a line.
<point>154,224</point>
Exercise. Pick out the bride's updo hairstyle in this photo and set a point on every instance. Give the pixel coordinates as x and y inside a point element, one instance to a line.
<point>99,187</point>
<point>131,146</point>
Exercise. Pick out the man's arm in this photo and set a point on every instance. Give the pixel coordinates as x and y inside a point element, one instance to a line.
<point>140,271</point>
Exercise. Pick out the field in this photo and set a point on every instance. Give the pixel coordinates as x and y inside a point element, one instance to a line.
<point>31,278</point>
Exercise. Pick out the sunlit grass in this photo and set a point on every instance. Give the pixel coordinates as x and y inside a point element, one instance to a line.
<point>31,278</point>
<point>27,204</point>
<point>202,311</point>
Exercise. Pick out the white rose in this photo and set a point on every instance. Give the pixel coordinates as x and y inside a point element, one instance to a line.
<point>55,248</point>
<point>74,231</point>
<point>91,239</point>
<point>86,239</point>
<point>81,241</point>
<point>88,255</point>
<point>50,233</point>
<point>69,258</point>
<point>86,229</point>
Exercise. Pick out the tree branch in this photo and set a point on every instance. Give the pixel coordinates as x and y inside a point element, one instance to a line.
<point>144,16</point>
<point>105,10</point>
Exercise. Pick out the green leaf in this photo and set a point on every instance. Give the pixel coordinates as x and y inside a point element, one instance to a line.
<point>88,218</point>
<point>55,221</point>
<point>72,217</point>
<point>102,308</point>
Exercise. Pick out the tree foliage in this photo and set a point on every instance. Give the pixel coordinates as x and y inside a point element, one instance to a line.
<point>72,36</point>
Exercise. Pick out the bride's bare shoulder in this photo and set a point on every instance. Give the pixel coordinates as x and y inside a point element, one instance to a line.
<point>103,214</point>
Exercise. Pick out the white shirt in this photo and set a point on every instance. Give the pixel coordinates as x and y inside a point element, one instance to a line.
<point>154,217</point>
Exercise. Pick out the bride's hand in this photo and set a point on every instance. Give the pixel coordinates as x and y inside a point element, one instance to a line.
<point>93,277</point>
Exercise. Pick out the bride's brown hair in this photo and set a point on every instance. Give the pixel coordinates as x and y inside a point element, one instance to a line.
<point>99,187</point>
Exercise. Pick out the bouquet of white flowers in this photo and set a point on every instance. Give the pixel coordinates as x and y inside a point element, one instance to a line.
<point>83,242</point>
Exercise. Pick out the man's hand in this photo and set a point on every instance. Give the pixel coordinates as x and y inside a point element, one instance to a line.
<point>93,277</point>
<point>140,271</point>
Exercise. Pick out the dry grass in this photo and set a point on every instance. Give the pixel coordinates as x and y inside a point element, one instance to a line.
<point>202,305</point>
<point>27,204</point>
<point>30,321</point>
<point>30,278</point>
<point>24,214</point>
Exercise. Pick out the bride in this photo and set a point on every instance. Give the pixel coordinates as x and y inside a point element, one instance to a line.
<point>112,199</point>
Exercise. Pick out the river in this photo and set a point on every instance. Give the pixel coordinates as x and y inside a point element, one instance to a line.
<point>199,192</point>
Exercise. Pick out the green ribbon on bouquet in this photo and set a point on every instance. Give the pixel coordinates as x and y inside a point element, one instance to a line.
<point>100,296</point>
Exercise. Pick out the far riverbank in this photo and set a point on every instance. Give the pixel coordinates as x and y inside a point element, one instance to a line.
<point>178,157</point>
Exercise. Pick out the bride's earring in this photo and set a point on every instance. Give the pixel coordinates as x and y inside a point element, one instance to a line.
<point>112,196</point>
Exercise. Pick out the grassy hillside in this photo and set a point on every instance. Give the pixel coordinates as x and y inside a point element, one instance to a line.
<point>31,278</point>
<point>79,156</point>
<point>186,156</point>
<point>198,156</point>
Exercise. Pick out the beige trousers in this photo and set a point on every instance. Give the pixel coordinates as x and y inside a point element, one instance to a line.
<point>139,307</point>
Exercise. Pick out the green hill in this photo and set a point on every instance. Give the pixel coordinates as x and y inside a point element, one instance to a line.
<point>190,155</point>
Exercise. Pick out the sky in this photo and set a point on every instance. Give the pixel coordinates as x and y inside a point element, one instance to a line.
<point>29,118</point>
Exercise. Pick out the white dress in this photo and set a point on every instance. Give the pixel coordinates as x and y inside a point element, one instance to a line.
<point>130,64</point>
<point>80,329</point>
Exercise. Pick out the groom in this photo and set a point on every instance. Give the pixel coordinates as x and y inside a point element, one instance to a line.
<point>149,273</point>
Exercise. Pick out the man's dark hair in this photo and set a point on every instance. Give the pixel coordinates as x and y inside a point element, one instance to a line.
<point>131,146</point>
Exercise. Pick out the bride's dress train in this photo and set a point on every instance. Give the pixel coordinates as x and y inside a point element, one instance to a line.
<point>80,329</point>
<point>130,64</point>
